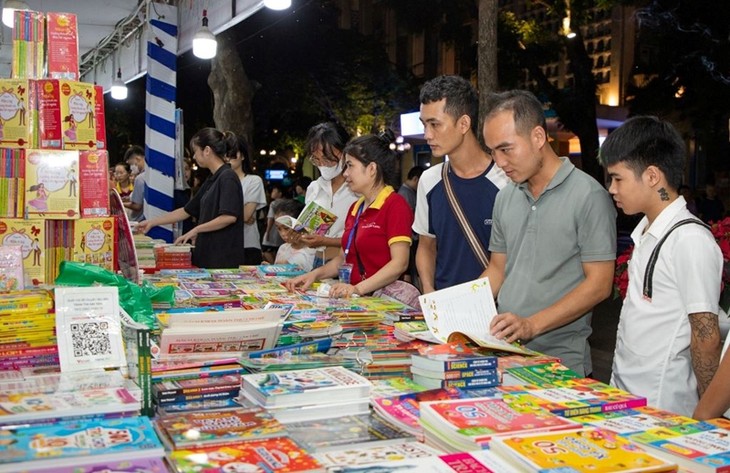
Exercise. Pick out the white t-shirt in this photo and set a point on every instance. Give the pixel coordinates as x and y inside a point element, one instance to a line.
<point>652,357</point>
<point>253,191</point>
<point>320,191</point>
<point>303,257</point>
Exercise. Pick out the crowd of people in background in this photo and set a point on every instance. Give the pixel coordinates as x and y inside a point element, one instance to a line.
<point>510,209</point>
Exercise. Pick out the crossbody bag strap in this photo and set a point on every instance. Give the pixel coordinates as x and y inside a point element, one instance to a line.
<point>648,288</point>
<point>466,228</point>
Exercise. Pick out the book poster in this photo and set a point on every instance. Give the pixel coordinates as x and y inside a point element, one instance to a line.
<point>30,235</point>
<point>14,114</point>
<point>52,184</point>
<point>88,328</point>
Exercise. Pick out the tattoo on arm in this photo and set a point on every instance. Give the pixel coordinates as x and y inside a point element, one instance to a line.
<point>704,347</point>
<point>663,194</point>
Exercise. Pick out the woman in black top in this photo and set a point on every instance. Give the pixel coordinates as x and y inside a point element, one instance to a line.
<point>218,206</point>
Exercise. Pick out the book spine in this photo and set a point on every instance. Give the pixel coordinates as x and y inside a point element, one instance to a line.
<point>486,362</point>
<point>198,397</point>
<point>482,382</point>
<point>470,373</point>
<point>182,391</point>
<point>159,377</point>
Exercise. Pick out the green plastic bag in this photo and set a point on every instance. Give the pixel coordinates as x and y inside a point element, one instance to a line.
<point>135,300</point>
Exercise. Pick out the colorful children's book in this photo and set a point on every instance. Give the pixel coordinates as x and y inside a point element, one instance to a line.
<point>539,375</point>
<point>699,447</point>
<point>308,386</point>
<point>274,455</point>
<point>631,421</point>
<point>217,427</point>
<point>15,126</point>
<point>588,450</point>
<point>94,241</point>
<point>463,313</point>
<point>314,219</point>
<point>129,465</point>
<point>282,270</point>
<point>51,183</point>
<point>30,235</point>
<point>377,453</point>
<point>167,389</point>
<point>74,443</point>
<point>93,187</point>
<point>470,424</point>
<point>11,268</point>
<point>576,397</point>
<point>404,411</point>
<point>350,431</point>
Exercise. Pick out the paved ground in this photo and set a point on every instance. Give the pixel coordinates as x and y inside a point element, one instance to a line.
<point>603,339</point>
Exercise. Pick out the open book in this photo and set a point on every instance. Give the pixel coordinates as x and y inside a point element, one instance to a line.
<point>465,311</point>
<point>314,219</point>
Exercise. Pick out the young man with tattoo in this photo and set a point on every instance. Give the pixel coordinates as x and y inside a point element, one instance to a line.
<point>668,342</point>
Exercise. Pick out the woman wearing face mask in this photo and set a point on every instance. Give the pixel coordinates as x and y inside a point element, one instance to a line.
<point>325,143</point>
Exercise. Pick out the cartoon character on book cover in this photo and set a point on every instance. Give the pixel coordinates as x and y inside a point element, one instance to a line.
<point>14,128</point>
<point>29,235</point>
<point>77,111</point>
<point>51,181</point>
<point>94,241</point>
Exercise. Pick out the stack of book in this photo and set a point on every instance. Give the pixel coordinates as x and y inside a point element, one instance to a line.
<point>455,371</point>
<point>184,391</point>
<point>80,443</point>
<point>28,325</point>
<point>458,425</point>
<point>308,394</point>
<point>173,256</point>
<point>216,427</point>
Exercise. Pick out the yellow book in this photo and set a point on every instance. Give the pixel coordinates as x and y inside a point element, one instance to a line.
<point>78,124</point>
<point>51,184</point>
<point>31,236</point>
<point>15,129</point>
<point>94,241</point>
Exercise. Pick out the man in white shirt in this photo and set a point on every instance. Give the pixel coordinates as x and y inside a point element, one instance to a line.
<point>668,342</point>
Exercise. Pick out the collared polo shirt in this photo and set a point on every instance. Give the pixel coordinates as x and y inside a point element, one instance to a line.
<point>546,241</point>
<point>652,357</point>
<point>386,221</point>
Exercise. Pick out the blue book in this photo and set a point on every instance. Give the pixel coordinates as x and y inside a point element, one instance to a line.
<point>448,362</point>
<point>286,270</point>
<point>74,443</point>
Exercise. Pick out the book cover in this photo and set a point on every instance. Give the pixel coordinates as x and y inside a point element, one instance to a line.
<point>195,386</point>
<point>588,450</point>
<point>223,341</point>
<point>11,268</point>
<point>51,184</point>
<point>218,427</point>
<point>404,411</point>
<point>472,423</point>
<point>129,465</point>
<point>78,442</point>
<point>94,241</point>
<point>630,421</point>
<point>464,313</point>
<point>539,375</point>
<point>63,46</point>
<point>349,431</point>
<point>313,219</point>
<point>282,270</point>
<point>30,235</point>
<point>78,101</point>
<point>444,362</point>
<point>395,386</point>
<point>15,113</point>
<point>88,328</point>
<point>234,319</point>
<point>698,447</point>
<point>307,386</point>
<point>380,454</point>
<point>93,186</point>
<point>576,397</point>
<point>273,455</point>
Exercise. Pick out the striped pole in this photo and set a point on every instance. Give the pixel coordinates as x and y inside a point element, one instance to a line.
<point>160,115</point>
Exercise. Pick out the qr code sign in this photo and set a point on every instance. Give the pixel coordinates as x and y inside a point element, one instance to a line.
<point>90,338</point>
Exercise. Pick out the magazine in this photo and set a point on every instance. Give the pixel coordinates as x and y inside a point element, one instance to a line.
<point>314,219</point>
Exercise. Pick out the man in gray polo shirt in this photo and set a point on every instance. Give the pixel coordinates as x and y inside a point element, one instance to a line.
<point>553,239</point>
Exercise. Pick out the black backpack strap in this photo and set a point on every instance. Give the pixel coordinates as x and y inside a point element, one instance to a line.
<point>649,274</point>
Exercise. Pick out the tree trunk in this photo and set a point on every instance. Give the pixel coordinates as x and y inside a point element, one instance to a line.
<point>487,52</point>
<point>232,91</point>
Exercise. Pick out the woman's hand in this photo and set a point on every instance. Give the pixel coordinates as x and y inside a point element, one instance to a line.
<point>189,237</point>
<point>143,226</point>
<point>301,283</point>
<point>314,241</point>
<point>343,290</point>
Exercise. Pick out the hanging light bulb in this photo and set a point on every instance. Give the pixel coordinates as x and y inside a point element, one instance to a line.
<point>277,4</point>
<point>9,10</point>
<point>204,43</point>
<point>119,88</point>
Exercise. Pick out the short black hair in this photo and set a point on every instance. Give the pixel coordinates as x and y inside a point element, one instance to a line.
<point>289,207</point>
<point>376,149</point>
<point>415,171</point>
<point>644,141</point>
<point>330,136</point>
<point>133,150</point>
<point>461,97</point>
<point>526,109</point>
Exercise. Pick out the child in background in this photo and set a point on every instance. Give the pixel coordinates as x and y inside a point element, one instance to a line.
<point>293,251</point>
